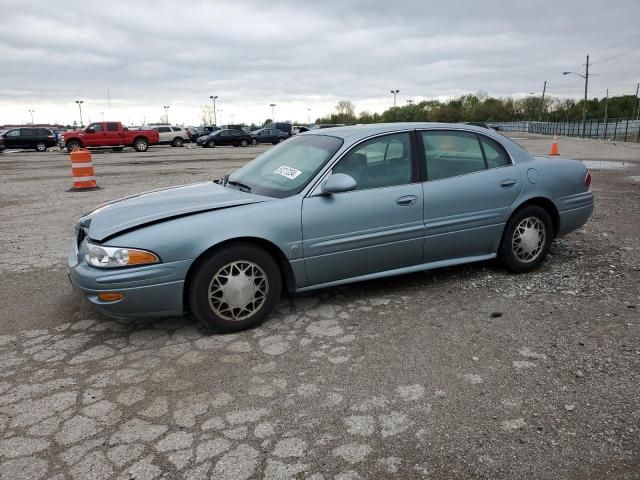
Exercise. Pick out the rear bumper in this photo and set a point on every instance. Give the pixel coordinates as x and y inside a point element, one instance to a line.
<point>150,291</point>
<point>574,218</point>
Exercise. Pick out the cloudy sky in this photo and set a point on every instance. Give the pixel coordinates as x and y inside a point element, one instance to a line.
<point>300,55</point>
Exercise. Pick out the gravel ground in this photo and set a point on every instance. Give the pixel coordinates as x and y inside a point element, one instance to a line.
<point>463,372</point>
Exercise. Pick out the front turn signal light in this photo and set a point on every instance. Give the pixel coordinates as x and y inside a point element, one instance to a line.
<point>110,297</point>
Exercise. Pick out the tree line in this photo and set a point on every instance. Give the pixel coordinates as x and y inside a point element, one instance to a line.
<point>480,107</point>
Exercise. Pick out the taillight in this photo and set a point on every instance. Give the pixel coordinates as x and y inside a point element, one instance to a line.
<point>587,180</point>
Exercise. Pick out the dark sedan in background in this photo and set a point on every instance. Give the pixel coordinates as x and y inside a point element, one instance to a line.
<point>268,135</point>
<point>237,138</point>
<point>32,138</point>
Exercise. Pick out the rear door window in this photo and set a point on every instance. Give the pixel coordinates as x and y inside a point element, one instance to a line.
<point>27,132</point>
<point>450,154</point>
<point>495,154</point>
<point>112,127</point>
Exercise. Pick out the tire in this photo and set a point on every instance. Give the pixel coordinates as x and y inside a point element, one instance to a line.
<point>211,144</point>
<point>208,298</point>
<point>254,141</point>
<point>41,147</point>
<point>244,143</point>
<point>526,239</point>
<point>280,140</point>
<point>177,142</point>
<point>141,145</point>
<point>73,145</point>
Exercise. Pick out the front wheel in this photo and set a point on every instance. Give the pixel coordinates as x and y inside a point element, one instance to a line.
<point>280,140</point>
<point>254,141</point>
<point>73,145</point>
<point>526,240</point>
<point>141,145</point>
<point>235,288</point>
<point>211,144</point>
<point>244,143</point>
<point>41,147</point>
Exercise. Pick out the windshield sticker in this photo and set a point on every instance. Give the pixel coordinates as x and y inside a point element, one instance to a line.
<point>288,172</point>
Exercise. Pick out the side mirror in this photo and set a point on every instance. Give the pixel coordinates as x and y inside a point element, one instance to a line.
<point>90,130</point>
<point>338,183</point>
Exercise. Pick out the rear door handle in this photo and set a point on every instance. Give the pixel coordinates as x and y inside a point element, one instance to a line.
<point>407,200</point>
<point>509,182</point>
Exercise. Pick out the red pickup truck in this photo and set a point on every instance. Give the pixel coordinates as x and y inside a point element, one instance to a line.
<point>109,134</point>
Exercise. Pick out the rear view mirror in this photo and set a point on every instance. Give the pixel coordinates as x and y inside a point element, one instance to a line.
<point>338,183</point>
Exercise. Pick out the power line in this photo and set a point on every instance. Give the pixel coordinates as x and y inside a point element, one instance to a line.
<point>616,56</point>
<point>619,43</point>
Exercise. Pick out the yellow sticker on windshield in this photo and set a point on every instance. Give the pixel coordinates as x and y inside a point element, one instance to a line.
<point>288,172</point>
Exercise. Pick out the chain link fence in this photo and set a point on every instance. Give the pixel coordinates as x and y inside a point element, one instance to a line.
<point>620,129</point>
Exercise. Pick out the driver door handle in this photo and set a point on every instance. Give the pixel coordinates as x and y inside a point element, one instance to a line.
<point>407,200</point>
<point>509,182</point>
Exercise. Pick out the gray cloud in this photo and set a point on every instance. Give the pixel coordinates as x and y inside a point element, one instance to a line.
<point>305,53</point>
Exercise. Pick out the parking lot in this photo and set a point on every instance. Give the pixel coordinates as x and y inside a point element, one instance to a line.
<point>455,373</point>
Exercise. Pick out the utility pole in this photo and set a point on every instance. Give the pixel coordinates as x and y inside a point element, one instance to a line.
<point>213,99</point>
<point>636,105</point>
<point>542,109</point>
<point>308,116</point>
<point>395,92</point>
<point>109,97</point>
<point>31,113</point>
<point>273,112</point>
<point>586,86</point>
<point>584,108</point>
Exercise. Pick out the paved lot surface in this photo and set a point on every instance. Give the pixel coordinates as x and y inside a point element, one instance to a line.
<point>456,373</point>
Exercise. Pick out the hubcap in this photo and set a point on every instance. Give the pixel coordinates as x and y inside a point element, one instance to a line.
<point>238,290</point>
<point>528,239</point>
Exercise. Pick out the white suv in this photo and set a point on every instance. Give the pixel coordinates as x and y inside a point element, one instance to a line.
<point>173,135</point>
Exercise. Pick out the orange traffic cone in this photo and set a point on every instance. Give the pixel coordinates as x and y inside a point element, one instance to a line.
<point>554,146</point>
<point>82,170</point>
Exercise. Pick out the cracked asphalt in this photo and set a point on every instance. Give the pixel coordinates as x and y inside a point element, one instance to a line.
<point>465,372</point>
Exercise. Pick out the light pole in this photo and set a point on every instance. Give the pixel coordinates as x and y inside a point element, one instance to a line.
<point>395,92</point>
<point>31,113</point>
<point>308,115</point>
<point>273,112</point>
<point>586,85</point>
<point>166,112</point>
<point>213,99</point>
<point>220,113</point>
<point>410,101</point>
<point>542,109</point>
<point>80,102</point>
<point>102,114</point>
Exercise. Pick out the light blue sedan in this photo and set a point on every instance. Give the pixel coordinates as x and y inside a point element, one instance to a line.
<point>325,208</point>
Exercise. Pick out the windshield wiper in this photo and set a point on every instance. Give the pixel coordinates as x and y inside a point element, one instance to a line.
<point>241,186</point>
<point>222,180</point>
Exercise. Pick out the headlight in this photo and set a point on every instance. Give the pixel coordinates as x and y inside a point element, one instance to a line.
<point>114,257</point>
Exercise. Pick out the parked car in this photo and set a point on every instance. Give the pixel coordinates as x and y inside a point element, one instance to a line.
<point>172,135</point>
<point>109,134</point>
<point>282,126</point>
<point>2,147</point>
<point>299,129</point>
<point>237,138</point>
<point>319,126</point>
<point>203,131</point>
<point>37,138</point>
<point>322,209</point>
<point>268,135</point>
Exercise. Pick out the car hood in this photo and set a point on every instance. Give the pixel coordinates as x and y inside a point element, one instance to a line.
<point>158,205</point>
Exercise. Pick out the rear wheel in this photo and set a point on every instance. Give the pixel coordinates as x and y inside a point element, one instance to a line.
<point>141,145</point>
<point>235,288</point>
<point>177,142</point>
<point>244,143</point>
<point>41,147</point>
<point>526,240</point>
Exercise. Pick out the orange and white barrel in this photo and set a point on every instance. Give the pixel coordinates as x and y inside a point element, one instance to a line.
<point>82,169</point>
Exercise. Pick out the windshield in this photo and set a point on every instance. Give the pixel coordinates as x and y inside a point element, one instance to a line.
<point>285,170</point>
